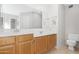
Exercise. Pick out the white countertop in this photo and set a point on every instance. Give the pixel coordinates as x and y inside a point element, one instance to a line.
<point>36,32</point>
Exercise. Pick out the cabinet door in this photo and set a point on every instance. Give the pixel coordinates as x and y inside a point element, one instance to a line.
<point>51,41</point>
<point>10,49</point>
<point>25,47</point>
<point>24,44</point>
<point>41,44</point>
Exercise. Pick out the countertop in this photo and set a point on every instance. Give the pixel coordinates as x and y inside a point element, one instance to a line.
<point>35,32</point>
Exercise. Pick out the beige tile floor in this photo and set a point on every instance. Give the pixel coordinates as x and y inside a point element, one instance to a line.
<point>63,50</point>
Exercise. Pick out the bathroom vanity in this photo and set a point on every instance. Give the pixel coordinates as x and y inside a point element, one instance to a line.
<point>27,44</point>
<point>18,30</point>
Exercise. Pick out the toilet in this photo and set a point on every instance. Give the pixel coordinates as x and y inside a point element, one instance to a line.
<point>72,41</point>
<point>71,44</point>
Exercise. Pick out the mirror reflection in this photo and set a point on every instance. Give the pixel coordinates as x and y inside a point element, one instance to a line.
<point>19,16</point>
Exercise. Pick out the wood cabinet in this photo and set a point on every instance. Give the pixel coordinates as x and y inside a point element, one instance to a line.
<point>7,45</point>
<point>10,49</point>
<point>25,47</point>
<point>45,43</point>
<point>27,44</point>
<point>51,41</point>
<point>41,44</point>
<point>24,38</point>
<point>24,44</point>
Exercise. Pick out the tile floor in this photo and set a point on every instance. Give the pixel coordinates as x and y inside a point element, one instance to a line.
<point>62,51</point>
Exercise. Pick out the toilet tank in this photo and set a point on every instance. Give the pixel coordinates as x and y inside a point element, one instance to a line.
<point>73,37</point>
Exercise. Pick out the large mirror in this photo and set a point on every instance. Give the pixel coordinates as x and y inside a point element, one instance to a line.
<point>19,16</point>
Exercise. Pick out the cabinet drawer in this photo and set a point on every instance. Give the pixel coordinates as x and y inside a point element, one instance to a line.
<point>10,49</point>
<point>23,38</point>
<point>7,40</point>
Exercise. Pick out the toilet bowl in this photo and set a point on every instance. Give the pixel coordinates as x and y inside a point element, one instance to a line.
<point>71,44</point>
<point>72,41</point>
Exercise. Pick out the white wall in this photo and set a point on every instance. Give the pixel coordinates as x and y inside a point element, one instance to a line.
<point>0,19</point>
<point>0,9</point>
<point>61,26</point>
<point>50,13</point>
<point>72,20</point>
<point>16,9</point>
